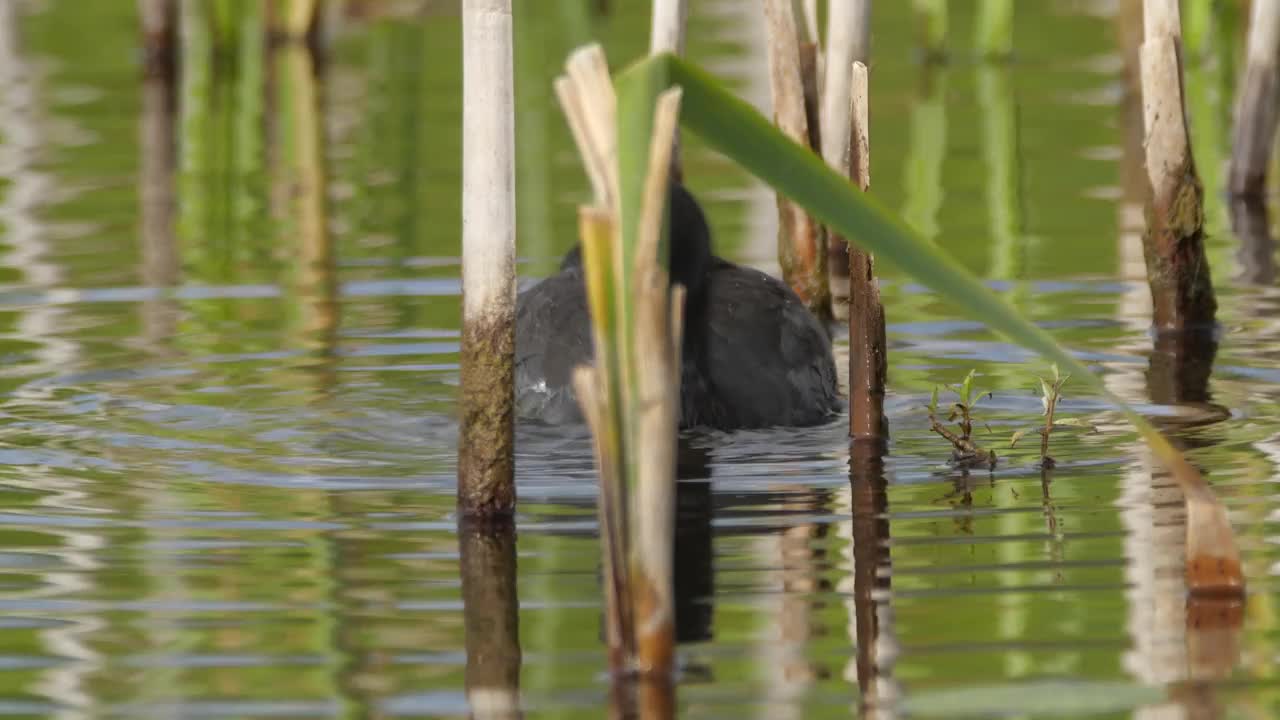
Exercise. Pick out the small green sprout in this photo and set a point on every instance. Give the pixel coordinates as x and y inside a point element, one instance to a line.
<point>1050,396</point>
<point>964,451</point>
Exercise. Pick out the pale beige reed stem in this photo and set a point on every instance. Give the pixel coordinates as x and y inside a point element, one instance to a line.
<point>667,35</point>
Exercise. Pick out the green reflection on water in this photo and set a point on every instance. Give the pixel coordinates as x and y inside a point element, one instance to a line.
<point>278,432</point>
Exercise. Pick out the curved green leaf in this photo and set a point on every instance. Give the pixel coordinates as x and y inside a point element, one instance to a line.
<point>737,130</point>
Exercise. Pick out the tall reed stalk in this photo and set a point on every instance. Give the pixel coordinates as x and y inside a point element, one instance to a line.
<point>486,464</point>
<point>1177,267</point>
<point>836,125</point>
<point>868,348</point>
<point>802,243</point>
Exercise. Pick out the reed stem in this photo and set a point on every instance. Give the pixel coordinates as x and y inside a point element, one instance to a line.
<point>486,466</point>
<point>802,247</point>
<point>1177,267</point>
<point>667,35</point>
<point>847,33</point>
<point>868,348</point>
<point>296,18</point>
<point>159,19</point>
<point>630,397</point>
<point>994,37</point>
<point>1178,272</point>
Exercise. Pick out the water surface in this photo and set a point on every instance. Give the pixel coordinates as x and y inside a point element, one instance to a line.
<point>227,448</point>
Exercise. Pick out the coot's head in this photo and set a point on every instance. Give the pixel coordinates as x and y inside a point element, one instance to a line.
<point>689,246</point>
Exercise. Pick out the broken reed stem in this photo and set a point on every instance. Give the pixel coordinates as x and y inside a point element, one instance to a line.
<point>659,319</point>
<point>600,399</point>
<point>659,325</point>
<point>1177,267</point>
<point>574,116</point>
<point>630,398</point>
<point>966,450</point>
<point>802,251</point>
<point>868,349</point>
<point>1258,106</point>
<point>845,142</point>
<point>486,465</point>
<point>596,108</point>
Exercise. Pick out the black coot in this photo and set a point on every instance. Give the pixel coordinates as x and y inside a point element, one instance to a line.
<point>753,356</point>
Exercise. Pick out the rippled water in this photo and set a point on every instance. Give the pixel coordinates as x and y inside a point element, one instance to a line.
<point>226,456</point>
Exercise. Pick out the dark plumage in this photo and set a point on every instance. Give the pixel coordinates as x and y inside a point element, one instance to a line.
<point>753,356</point>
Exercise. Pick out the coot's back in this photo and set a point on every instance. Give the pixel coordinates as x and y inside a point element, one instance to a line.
<point>764,359</point>
<point>752,355</point>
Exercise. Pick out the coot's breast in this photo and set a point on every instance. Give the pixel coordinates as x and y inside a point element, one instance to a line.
<point>553,336</point>
<point>764,359</point>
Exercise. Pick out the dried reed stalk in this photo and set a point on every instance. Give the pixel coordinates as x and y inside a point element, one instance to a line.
<point>630,397</point>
